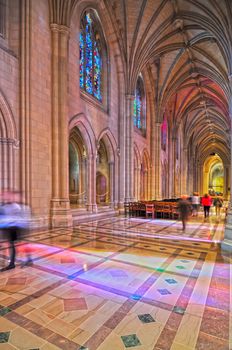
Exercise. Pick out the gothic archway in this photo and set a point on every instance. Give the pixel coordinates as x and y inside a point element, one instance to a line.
<point>102,175</point>
<point>77,169</point>
<point>8,145</point>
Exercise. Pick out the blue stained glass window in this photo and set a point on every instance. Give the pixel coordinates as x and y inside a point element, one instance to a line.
<point>139,106</point>
<point>90,57</point>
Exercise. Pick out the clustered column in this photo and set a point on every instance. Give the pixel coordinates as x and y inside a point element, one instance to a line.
<point>158,183</point>
<point>129,150</point>
<point>227,242</point>
<point>60,206</point>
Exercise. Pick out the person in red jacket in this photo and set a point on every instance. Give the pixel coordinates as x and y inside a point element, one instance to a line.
<point>206,201</point>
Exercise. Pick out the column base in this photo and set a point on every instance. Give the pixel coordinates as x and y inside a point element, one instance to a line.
<point>92,208</point>
<point>226,244</point>
<point>61,215</point>
<point>128,200</point>
<point>120,208</point>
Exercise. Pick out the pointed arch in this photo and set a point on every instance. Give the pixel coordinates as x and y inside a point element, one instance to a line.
<point>110,142</point>
<point>8,144</point>
<point>7,122</point>
<point>81,122</point>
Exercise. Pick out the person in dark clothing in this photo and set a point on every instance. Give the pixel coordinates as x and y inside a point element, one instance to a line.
<point>9,223</point>
<point>185,210</point>
<point>218,201</point>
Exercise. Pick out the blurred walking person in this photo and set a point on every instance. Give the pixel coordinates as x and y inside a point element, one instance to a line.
<point>195,200</point>
<point>184,210</point>
<point>24,224</point>
<point>218,204</point>
<point>9,223</point>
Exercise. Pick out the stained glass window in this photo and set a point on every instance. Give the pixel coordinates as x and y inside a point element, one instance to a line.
<point>90,56</point>
<point>140,106</point>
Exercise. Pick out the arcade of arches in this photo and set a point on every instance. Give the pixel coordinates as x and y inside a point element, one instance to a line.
<point>108,102</point>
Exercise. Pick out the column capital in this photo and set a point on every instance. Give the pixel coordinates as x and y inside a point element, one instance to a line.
<point>130,97</point>
<point>59,28</point>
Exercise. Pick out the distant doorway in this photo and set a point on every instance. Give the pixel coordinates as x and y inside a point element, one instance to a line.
<point>77,169</point>
<point>213,176</point>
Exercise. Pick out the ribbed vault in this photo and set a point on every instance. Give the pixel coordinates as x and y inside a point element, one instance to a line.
<point>186,47</point>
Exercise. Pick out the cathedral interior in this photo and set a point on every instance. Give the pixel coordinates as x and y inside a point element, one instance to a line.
<point>114,115</point>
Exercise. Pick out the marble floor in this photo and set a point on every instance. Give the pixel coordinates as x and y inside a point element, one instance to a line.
<point>119,283</point>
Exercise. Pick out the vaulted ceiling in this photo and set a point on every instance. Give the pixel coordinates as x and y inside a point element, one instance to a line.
<point>186,47</point>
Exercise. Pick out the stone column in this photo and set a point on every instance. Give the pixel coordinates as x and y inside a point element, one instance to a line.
<point>153,142</point>
<point>116,180</point>
<point>170,167</point>
<point>60,205</point>
<point>91,184</point>
<point>121,150</point>
<point>227,241</point>
<point>146,184</point>
<point>173,174</point>
<point>158,170</point>
<point>149,183</point>
<point>129,150</point>
<point>199,178</point>
<point>111,184</point>
<point>82,183</point>
<point>184,171</point>
<point>25,100</point>
<point>226,181</point>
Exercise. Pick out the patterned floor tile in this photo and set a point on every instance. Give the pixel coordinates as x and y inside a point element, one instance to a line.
<point>4,311</point>
<point>164,291</point>
<point>180,267</point>
<point>130,340</point>
<point>75,304</point>
<point>67,260</point>
<point>16,280</point>
<point>178,310</point>
<point>159,269</point>
<point>146,318</point>
<point>4,337</point>
<point>118,273</point>
<point>170,281</point>
<point>116,289</point>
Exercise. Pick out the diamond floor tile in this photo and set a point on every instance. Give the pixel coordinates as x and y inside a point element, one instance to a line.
<point>130,340</point>
<point>4,337</point>
<point>146,318</point>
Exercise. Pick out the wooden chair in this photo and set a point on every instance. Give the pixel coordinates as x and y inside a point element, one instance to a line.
<point>158,209</point>
<point>150,209</point>
<point>174,211</point>
<point>166,209</point>
<point>139,208</point>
